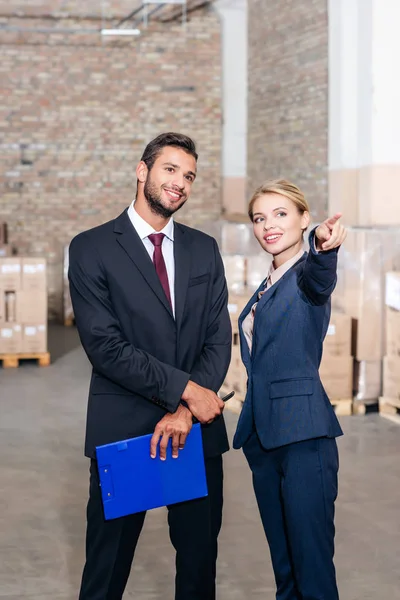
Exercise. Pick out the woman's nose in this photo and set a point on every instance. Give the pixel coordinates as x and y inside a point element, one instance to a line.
<point>267,224</point>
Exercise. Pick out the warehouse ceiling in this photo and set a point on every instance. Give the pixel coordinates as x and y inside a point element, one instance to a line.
<point>94,9</point>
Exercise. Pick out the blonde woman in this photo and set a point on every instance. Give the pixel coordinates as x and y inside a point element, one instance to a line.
<point>287,427</point>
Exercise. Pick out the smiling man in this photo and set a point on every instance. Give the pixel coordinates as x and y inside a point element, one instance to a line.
<point>150,302</point>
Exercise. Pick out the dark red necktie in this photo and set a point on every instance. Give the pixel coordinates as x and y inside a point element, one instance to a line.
<point>159,263</point>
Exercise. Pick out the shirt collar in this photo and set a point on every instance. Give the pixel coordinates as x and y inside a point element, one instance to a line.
<point>143,229</point>
<point>276,274</point>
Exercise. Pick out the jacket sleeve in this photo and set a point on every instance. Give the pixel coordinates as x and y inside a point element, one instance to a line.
<point>318,278</point>
<point>211,367</point>
<point>109,352</point>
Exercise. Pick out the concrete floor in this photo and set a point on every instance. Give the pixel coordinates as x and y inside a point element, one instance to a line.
<point>44,480</point>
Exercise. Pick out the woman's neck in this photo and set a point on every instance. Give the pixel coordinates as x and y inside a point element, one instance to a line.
<point>288,254</point>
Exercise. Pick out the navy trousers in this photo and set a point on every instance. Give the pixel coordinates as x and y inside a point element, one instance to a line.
<point>296,488</point>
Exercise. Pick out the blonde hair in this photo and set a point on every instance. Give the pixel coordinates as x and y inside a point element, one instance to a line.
<point>284,188</point>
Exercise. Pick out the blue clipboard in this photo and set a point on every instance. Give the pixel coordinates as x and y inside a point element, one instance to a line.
<point>131,481</point>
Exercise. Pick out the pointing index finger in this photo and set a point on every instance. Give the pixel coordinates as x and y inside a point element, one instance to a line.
<point>333,220</point>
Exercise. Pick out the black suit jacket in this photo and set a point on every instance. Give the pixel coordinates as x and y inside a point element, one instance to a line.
<point>142,357</point>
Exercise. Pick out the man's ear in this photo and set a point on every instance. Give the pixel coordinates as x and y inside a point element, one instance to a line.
<point>141,172</point>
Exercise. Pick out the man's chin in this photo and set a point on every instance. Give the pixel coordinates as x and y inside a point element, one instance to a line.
<point>165,210</point>
<point>173,206</point>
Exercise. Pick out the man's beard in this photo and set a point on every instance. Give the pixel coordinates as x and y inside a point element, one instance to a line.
<point>153,197</point>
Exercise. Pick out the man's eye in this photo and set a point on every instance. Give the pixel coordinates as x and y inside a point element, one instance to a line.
<point>189,178</point>
<point>169,168</point>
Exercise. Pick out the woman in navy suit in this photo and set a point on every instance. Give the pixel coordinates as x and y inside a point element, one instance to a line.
<point>287,427</point>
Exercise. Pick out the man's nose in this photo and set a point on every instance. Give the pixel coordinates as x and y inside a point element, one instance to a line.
<point>179,180</point>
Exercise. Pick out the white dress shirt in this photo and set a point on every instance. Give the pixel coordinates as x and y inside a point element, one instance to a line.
<point>143,229</point>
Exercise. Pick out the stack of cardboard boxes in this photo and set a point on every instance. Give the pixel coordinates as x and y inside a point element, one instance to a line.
<point>336,369</point>
<point>68,311</point>
<point>367,255</point>
<point>5,248</point>
<point>23,306</point>
<point>236,378</point>
<point>390,402</point>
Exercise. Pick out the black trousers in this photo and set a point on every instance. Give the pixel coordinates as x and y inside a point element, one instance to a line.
<point>194,527</point>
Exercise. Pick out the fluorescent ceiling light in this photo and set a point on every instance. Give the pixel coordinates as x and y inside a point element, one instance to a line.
<point>120,32</point>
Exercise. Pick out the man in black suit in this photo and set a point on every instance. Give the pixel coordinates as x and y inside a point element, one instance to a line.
<point>150,302</point>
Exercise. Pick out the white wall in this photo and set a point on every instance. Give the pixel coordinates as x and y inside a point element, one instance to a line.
<point>233,14</point>
<point>364,115</point>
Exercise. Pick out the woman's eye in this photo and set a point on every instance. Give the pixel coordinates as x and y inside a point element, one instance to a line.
<point>258,220</point>
<point>281,214</point>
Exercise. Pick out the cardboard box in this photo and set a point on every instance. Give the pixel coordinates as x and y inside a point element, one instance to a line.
<point>236,358</point>
<point>338,338</point>
<point>10,274</point>
<point>3,233</point>
<point>365,258</point>
<point>364,294</point>
<point>34,274</point>
<point>391,377</point>
<point>10,311</point>
<point>68,311</point>
<point>34,339</point>
<point>236,304</point>
<point>392,291</point>
<point>2,307</point>
<point>236,380</point>
<point>392,331</point>
<point>257,270</point>
<point>5,250</point>
<point>10,338</point>
<point>336,374</point>
<point>367,380</point>
<point>32,306</point>
<point>235,273</point>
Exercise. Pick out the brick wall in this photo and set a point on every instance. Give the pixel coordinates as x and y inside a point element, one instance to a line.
<point>288,95</point>
<point>115,8</point>
<point>77,113</point>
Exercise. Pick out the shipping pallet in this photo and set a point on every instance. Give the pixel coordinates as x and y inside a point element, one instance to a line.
<point>343,408</point>
<point>11,361</point>
<point>389,406</point>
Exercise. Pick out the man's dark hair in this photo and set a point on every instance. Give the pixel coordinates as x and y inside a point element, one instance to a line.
<point>177,140</point>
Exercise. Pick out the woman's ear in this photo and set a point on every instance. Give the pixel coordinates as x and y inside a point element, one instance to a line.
<point>305,220</point>
<point>141,172</point>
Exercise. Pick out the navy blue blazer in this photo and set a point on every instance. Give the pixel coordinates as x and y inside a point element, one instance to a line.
<point>285,400</point>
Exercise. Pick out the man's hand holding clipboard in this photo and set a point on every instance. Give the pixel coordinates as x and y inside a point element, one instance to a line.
<point>176,426</point>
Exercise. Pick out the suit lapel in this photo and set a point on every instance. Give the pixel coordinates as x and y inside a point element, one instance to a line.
<point>133,246</point>
<point>182,257</point>
<point>270,293</point>
<point>244,346</point>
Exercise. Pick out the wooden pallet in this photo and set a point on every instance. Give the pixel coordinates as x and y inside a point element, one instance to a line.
<point>343,408</point>
<point>11,361</point>
<point>389,406</point>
